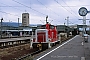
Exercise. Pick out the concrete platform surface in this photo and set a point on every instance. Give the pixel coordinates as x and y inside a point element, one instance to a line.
<point>73,49</point>
<point>14,39</point>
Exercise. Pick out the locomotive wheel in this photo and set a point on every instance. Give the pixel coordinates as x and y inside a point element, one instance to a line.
<point>53,44</point>
<point>44,46</point>
<point>34,45</point>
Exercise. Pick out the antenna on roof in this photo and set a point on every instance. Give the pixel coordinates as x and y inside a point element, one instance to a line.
<point>42,21</point>
<point>46,19</point>
<point>25,10</point>
<point>51,21</point>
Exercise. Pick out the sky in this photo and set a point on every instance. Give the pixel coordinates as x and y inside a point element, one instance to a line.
<point>57,11</point>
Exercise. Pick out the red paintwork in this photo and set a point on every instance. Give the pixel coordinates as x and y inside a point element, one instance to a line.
<point>34,40</point>
<point>41,37</point>
<point>51,30</point>
<point>54,30</point>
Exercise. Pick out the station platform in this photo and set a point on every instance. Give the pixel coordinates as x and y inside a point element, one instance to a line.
<point>73,49</point>
<point>14,41</point>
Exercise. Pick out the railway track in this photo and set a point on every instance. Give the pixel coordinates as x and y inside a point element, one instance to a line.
<point>23,52</point>
<point>12,53</point>
<point>29,56</point>
<point>8,44</point>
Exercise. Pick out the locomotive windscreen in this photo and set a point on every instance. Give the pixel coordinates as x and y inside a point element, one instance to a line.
<point>51,27</point>
<point>42,27</point>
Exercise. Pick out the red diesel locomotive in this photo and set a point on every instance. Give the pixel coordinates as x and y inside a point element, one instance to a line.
<point>45,37</point>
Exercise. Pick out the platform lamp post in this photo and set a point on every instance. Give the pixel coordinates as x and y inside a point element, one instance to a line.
<point>89,25</point>
<point>64,27</point>
<point>18,26</point>
<point>1,28</point>
<point>18,22</point>
<point>67,20</point>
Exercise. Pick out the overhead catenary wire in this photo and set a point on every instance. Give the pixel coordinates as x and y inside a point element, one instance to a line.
<point>59,6</point>
<point>31,8</point>
<point>47,7</point>
<point>72,6</point>
<point>71,9</point>
<point>15,7</point>
<point>9,13</point>
<point>10,6</point>
<point>62,6</point>
<point>42,4</point>
<point>28,7</point>
<point>40,12</point>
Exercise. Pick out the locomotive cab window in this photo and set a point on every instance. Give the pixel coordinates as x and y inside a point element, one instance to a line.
<point>51,27</point>
<point>43,26</point>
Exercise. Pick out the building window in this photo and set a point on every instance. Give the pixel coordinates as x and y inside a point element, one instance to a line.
<point>24,16</point>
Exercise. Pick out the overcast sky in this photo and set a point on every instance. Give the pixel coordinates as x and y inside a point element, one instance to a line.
<point>57,10</point>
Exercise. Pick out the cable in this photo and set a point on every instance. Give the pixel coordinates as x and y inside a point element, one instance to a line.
<point>47,7</point>
<point>74,6</point>
<point>28,7</point>
<point>62,6</point>
<point>71,9</point>
<point>9,13</point>
<point>11,6</point>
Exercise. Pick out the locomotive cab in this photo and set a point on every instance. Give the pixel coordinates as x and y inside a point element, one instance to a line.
<point>45,36</point>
